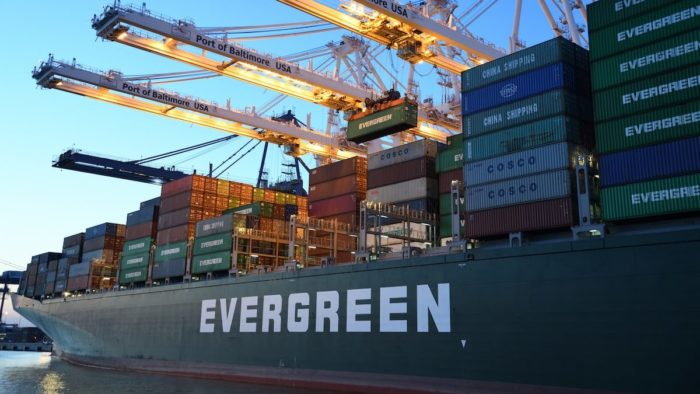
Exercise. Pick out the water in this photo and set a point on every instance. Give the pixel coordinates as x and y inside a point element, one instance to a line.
<point>29,372</point>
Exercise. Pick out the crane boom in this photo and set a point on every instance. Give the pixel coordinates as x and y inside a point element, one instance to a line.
<point>111,87</point>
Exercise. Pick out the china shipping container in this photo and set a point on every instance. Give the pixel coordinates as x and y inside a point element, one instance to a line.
<point>402,153</point>
<point>354,165</point>
<point>407,190</point>
<point>445,179</point>
<point>333,206</point>
<point>607,12</point>
<point>219,224</point>
<point>421,167</point>
<point>400,117</point>
<point>336,187</point>
<point>168,269</point>
<point>543,186</point>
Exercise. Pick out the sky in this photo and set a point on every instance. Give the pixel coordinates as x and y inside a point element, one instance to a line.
<point>40,205</point>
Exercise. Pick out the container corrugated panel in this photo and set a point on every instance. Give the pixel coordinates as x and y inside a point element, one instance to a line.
<point>450,159</point>
<point>445,179</point>
<point>104,229</point>
<point>336,187</point>
<point>678,17</point>
<point>175,234</point>
<point>50,276</point>
<point>446,226</point>
<point>429,205</point>
<point>557,50</point>
<point>651,198</point>
<point>541,215</point>
<point>417,168</point>
<point>131,275</point>
<point>408,190</point>
<point>544,186</point>
<point>650,162</point>
<point>213,243</point>
<point>354,165</point>
<point>60,285</point>
<point>191,182</point>
<point>77,283</point>
<point>334,206</point>
<point>72,240</point>
<point>556,102</point>
<point>220,224</point>
<point>79,269</point>
<point>147,229</point>
<point>72,251</point>
<point>545,158</point>
<point>168,269</point>
<point>446,204</point>
<point>403,153</point>
<point>134,261</point>
<point>659,57</point>
<point>104,242</point>
<point>603,13</point>
<point>529,136</point>
<point>171,252</point>
<point>211,262</point>
<point>107,255</point>
<point>555,76</point>
<point>677,87</point>
<point>143,215</point>
<point>455,141</point>
<point>382,123</point>
<point>648,128</point>
<point>137,246</point>
<point>180,201</point>
<point>179,217</point>
<point>63,267</point>
<point>42,267</point>
<point>154,202</point>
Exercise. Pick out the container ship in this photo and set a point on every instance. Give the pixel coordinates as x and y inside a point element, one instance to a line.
<point>550,247</point>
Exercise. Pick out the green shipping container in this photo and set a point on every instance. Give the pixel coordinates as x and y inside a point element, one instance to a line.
<point>677,18</point>
<point>211,262</point>
<point>603,13</point>
<point>531,135</point>
<point>446,226</point>
<point>556,102</point>
<point>382,123</point>
<point>446,204</point>
<point>213,243</point>
<point>450,159</point>
<point>137,246</point>
<point>135,260</point>
<point>455,141</point>
<point>648,128</point>
<point>171,251</point>
<point>557,50</point>
<point>132,275</point>
<point>261,209</point>
<point>657,58</point>
<point>676,87</point>
<point>652,198</point>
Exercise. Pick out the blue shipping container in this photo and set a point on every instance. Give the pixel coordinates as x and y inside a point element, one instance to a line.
<point>555,76</point>
<point>101,230</point>
<point>656,161</point>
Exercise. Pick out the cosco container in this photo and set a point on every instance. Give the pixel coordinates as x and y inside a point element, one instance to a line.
<point>382,123</point>
<point>650,162</point>
<point>557,102</point>
<point>171,252</point>
<point>450,159</point>
<point>557,50</point>
<point>541,215</point>
<point>211,262</point>
<point>131,275</point>
<point>168,269</point>
<point>134,261</point>
<point>417,168</point>
<point>676,87</point>
<point>545,158</point>
<point>219,224</point>
<point>336,205</point>
<point>336,187</point>
<point>136,246</point>
<point>649,127</point>
<point>408,190</point>
<point>651,198</point>
<point>531,135</point>
<point>678,17</point>
<point>603,13</point>
<point>445,179</point>
<point>339,169</point>
<point>659,57</point>
<point>544,186</point>
<point>402,153</point>
<point>213,243</point>
<point>554,76</point>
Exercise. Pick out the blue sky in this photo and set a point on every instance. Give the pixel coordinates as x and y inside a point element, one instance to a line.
<point>39,205</point>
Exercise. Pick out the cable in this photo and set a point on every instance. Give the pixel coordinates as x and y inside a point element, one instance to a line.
<point>237,160</point>
<point>231,157</point>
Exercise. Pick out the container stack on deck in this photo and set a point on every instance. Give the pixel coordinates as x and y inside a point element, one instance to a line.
<point>213,244</point>
<point>71,254</point>
<point>46,264</point>
<point>141,230</point>
<point>450,167</point>
<point>645,63</point>
<point>99,261</point>
<point>526,118</point>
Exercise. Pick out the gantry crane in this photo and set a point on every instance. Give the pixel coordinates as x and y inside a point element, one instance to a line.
<point>114,88</point>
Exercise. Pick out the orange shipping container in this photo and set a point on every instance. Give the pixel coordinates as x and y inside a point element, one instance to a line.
<point>210,185</point>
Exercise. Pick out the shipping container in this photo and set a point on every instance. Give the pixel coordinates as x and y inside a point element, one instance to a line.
<point>143,215</point>
<point>450,159</point>
<point>657,58</point>
<point>104,242</point>
<point>72,240</point>
<point>557,50</point>
<point>179,217</point>
<point>554,76</point>
<point>409,190</point>
<point>191,182</point>
<point>546,158</point>
<point>180,201</point>
<point>77,283</point>
<point>445,179</point>
<point>402,153</point>
<point>72,251</point>
<point>60,285</point>
<point>213,243</point>
<point>143,230</point>
<point>339,169</point>
<point>132,275</point>
<point>107,256</point>
<point>137,246</point>
<point>148,204</point>
<point>543,186</point>
<point>63,267</point>
<point>175,234</point>
<point>262,209</point>
<point>79,269</point>
<point>665,160</point>
<point>649,127</point>
<point>421,167</point>
<point>603,13</point>
<point>529,136</point>
<point>168,269</point>
<point>336,187</point>
<point>445,229</point>
<point>553,103</point>
<point>347,218</point>
<point>446,204</point>
<point>171,251</point>
<point>541,215</point>
<point>211,262</point>
<point>333,206</point>
<point>135,261</point>
<point>103,229</point>
<point>651,198</point>
<point>382,123</point>
<point>676,18</point>
<point>676,87</point>
<point>220,224</point>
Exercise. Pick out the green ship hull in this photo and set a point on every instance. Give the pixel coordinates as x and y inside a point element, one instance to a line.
<point>620,314</point>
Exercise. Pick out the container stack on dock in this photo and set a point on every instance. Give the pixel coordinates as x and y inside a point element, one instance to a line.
<point>450,167</point>
<point>98,267</point>
<point>645,64</point>
<point>141,230</point>
<point>212,245</point>
<point>526,119</point>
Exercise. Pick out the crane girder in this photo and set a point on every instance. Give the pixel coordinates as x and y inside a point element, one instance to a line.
<point>111,87</point>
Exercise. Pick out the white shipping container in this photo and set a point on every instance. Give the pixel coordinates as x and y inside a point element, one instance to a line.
<point>400,154</point>
<point>404,191</point>
<point>543,186</point>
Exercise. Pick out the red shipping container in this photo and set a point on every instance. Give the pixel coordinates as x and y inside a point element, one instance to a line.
<point>347,203</point>
<point>339,169</point>
<point>210,185</point>
<point>445,179</point>
<point>534,216</point>
<point>147,229</point>
<point>417,168</point>
<point>336,187</point>
<point>180,201</point>
<point>175,234</point>
<point>173,219</point>
<point>77,283</point>
<point>192,182</point>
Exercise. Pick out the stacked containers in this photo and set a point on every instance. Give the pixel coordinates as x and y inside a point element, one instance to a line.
<point>71,254</point>
<point>213,244</point>
<point>98,267</point>
<point>450,167</point>
<point>141,230</point>
<point>32,268</point>
<point>526,119</point>
<point>335,190</point>
<point>43,277</point>
<point>645,65</point>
